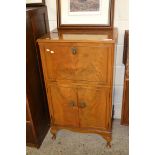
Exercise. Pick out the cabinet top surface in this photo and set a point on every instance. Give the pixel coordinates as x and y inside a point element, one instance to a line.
<point>33,8</point>
<point>106,36</point>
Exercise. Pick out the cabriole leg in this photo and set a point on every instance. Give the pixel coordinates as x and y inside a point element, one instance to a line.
<point>53,132</point>
<point>108,145</point>
<point>108,138</point>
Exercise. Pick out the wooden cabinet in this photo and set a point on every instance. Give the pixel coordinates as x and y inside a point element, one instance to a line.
<point>125,104</point>
<point>37,114</point>
<point>78,73</point>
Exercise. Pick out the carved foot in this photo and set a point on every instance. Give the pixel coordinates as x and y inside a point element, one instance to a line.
<point>108,145</point>
<point>53,136</point>
<point>108,138</point>
<point>53,132</point>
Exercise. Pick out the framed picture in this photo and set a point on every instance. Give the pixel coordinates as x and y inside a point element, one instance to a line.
<point>85,14</point>
<point>35,2</point>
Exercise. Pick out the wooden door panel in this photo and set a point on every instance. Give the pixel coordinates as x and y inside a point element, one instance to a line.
<point>94,114</point>
<point>89,63</point>
<point>64,112</point>
<point>59,62</point>
<point>93,63</point>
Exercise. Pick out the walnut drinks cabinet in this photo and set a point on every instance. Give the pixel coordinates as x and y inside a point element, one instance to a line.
<point>78,73</point>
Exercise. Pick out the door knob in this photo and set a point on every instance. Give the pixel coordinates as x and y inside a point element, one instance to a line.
<point>74,50</point>
<point>82,104</point>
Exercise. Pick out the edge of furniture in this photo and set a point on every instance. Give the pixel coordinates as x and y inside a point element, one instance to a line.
<point>37,114</point>
<point>106,38</point>
<point>125,102</point>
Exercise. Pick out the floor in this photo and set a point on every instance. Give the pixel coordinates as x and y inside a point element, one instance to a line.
<point>72,143</point>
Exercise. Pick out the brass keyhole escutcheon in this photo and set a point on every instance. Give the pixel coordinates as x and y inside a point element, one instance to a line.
<point>72,104</point>
<point>74,50</point>
<point>82,104</point>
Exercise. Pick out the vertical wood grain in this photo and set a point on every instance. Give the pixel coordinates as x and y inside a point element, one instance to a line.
<point>94,115</point>
<point>64,114</point>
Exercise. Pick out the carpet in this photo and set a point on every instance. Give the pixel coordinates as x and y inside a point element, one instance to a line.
<point>73,143</point>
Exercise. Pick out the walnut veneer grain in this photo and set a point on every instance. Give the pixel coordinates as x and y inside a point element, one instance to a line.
<point>78,73</point>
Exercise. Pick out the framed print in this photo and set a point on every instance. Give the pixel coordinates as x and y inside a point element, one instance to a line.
<point>85,14</point>
<point>35,2</point>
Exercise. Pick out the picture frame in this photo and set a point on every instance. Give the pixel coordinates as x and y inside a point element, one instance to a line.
<point>79,14</point>
<point>35,3</point>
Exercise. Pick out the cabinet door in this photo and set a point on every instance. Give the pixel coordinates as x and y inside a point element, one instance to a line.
<point>63,105</point>
<point>94,107</point>
<point>94,64</point>
<point>78,62</point>
<point>59,62</point>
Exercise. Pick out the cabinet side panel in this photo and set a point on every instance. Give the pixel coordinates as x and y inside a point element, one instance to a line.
<point>34,85</point>
<point>125,105</point>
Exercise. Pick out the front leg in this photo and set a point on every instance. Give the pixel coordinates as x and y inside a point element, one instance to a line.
<point>108,138</point>
<point>108,145</point>
<point>53,131</point>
